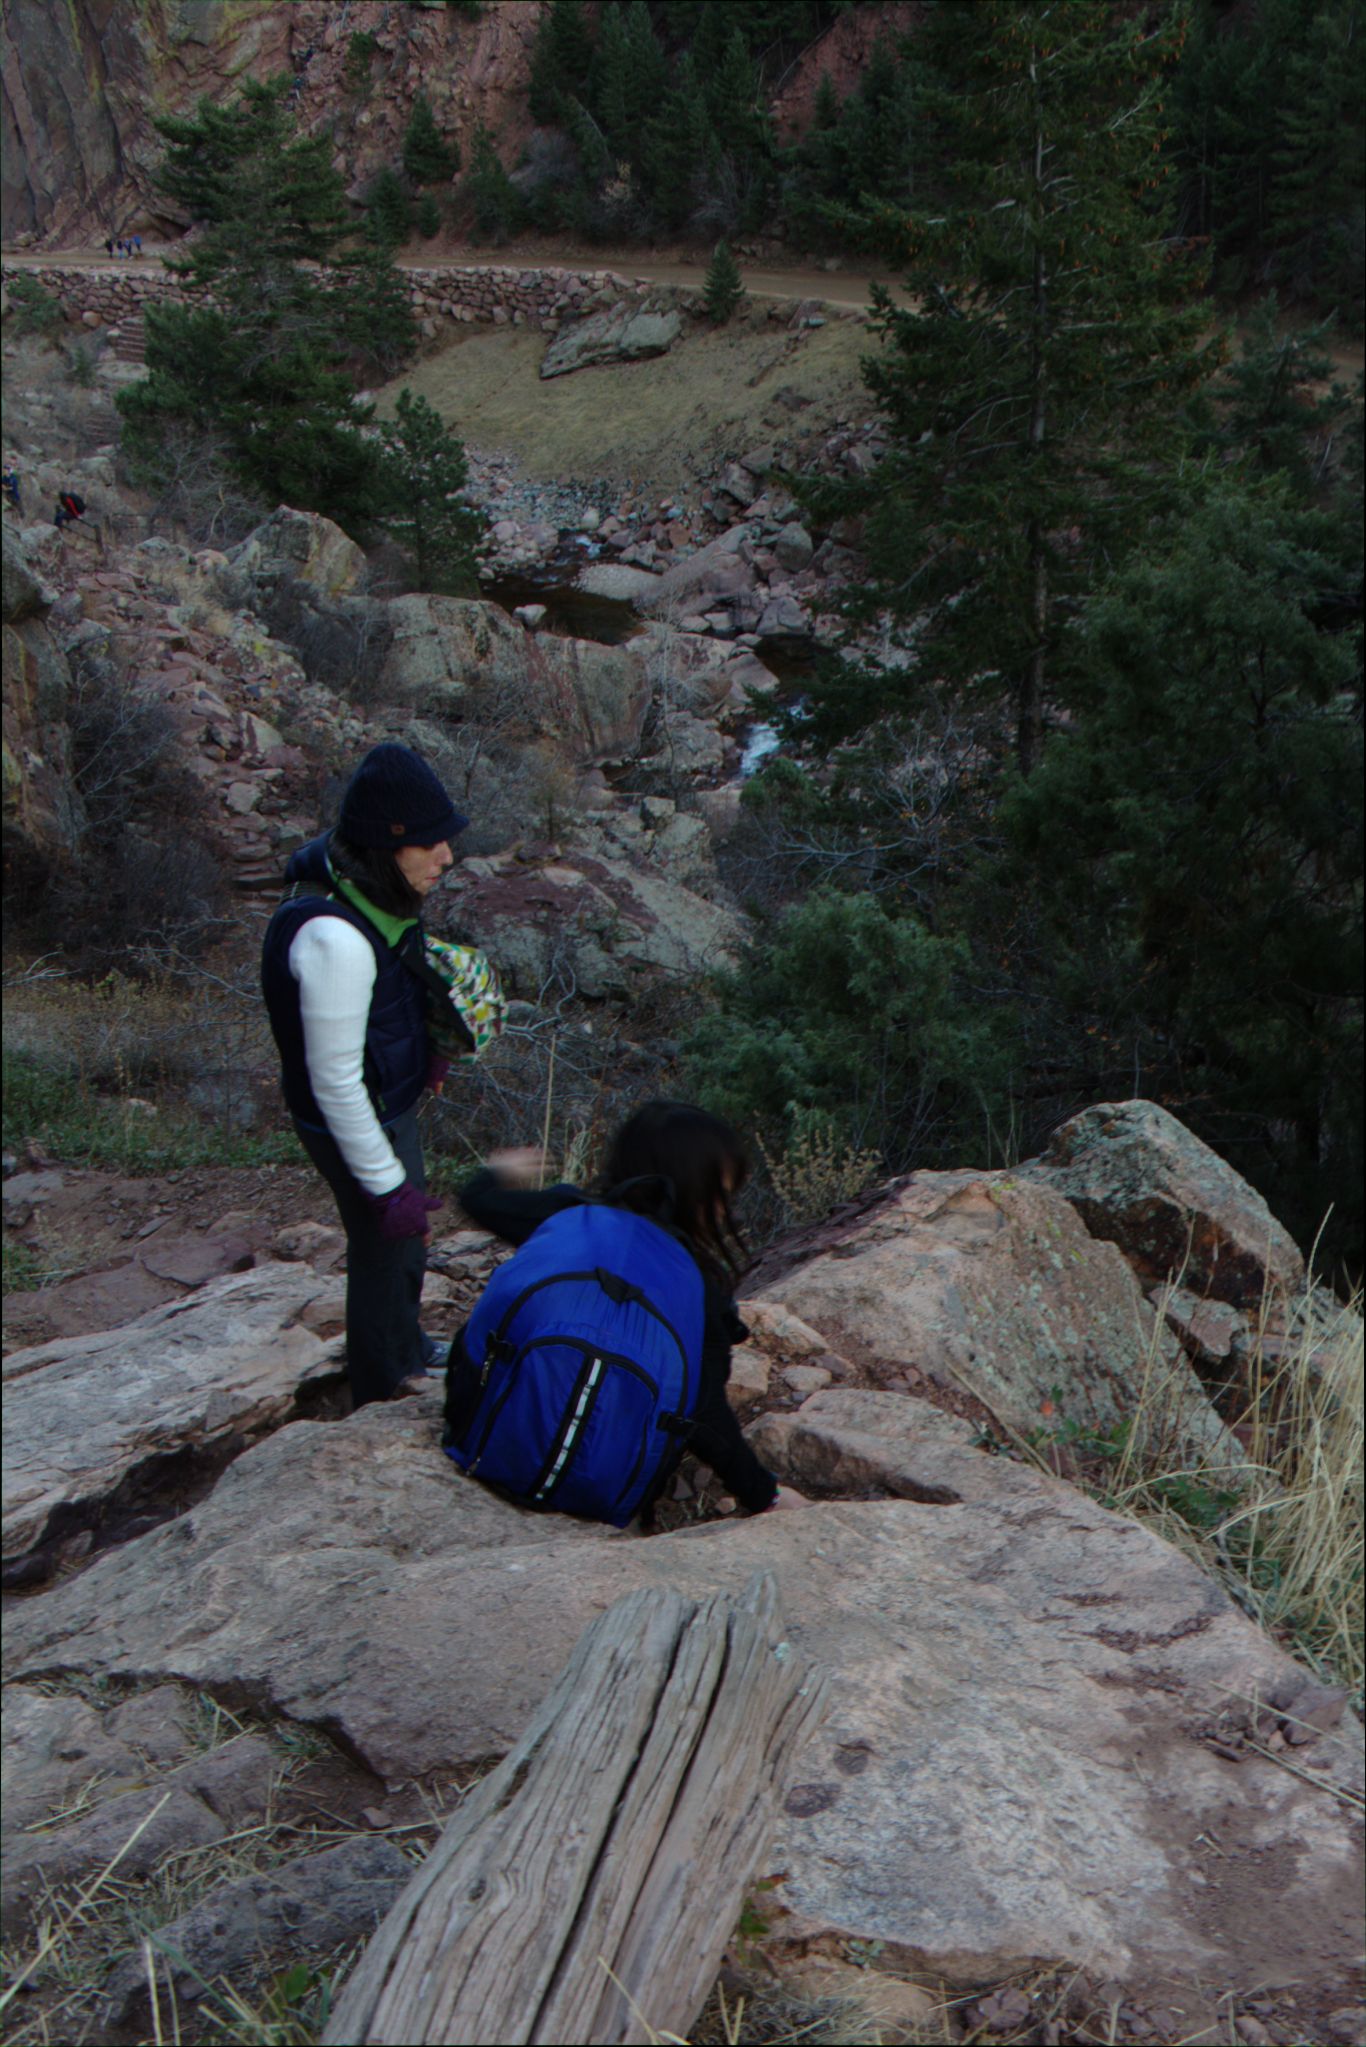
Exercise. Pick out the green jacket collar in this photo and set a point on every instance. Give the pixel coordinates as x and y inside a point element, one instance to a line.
<point>390,929</point>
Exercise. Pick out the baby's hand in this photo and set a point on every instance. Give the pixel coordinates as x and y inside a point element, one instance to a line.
<point>521,1165</point>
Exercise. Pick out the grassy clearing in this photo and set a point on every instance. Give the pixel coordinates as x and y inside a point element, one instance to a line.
<point>78,1125</point>
<point>657,424</point>
<point>138,1075</point>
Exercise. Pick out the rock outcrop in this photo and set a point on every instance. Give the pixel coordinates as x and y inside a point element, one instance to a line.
<point>624,333</point>
<point>987,1285</point>
<point>44,817</point>
<point>85,1417</point>
<point>597,923</point>
<point>1000,1647</point>
<point>1140,1179</point>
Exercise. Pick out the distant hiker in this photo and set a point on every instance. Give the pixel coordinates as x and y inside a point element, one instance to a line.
<point>601,1352</point>
<point>70,508</point>
<point>135,246</point>
<point>341,973</point>
<point>109,245</point>
<point>9,481</point>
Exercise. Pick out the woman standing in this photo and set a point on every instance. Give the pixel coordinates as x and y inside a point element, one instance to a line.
<point>348,1012</point>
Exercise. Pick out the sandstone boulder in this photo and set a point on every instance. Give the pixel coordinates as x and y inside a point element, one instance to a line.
<point>1138,1178</point>
<point>461,656</point>
<point>1000,1651</point>
<point>989,1285</point>
<point>624,333</point>
<point>608,920</point>
<point>303,546</point>
<point>84,1416</point>
<point>719,566</point>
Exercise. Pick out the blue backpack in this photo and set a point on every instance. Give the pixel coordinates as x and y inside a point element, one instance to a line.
<point>587,1378</point>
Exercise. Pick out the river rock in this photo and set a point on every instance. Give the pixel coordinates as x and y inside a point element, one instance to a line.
<point>84,1415</point>
<point>784,619</point>
<point>616,580</point>
<point>1000,1650</point>
<point>989,1284</point>
<point>1140,1179</point>
<point>705,571</point>
<point>624,333</point>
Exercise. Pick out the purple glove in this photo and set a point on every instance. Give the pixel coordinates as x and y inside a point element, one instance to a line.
<point>403,1213</point>
<point>437,1069</point>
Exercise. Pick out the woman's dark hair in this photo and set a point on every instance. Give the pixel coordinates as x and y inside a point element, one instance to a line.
<point>680,1166</point>
<point>376,873</point>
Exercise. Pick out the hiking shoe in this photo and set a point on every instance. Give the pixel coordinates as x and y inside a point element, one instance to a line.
<point>433,1352</point>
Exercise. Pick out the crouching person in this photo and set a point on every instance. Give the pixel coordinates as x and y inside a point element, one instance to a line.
<point>340,971</point>
<point>601,1352</point>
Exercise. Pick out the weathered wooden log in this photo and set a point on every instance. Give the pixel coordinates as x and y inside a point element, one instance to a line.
<point>586,1889</point>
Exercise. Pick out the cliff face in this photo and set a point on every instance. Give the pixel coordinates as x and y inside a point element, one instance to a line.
<point>83,81</point>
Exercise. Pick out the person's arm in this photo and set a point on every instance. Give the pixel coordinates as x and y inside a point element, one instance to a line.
<point>334,965</point>
<point>716,1438</point>
<point>509,1211</point>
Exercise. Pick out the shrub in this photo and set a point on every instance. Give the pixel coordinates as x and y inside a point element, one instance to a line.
<point>32,309</point>
<point>80,366</point>
<point>861,1017</point>
<point>359,50</point>
<point>428,217</point>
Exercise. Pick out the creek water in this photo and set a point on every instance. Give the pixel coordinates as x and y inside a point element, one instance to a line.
<point>611,622</point>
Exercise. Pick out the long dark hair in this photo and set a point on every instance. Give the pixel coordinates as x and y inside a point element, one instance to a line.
<point>680,1166</point>
<point>376,873</point>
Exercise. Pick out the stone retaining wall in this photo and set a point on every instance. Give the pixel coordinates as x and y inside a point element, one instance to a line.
<point>494,294</point>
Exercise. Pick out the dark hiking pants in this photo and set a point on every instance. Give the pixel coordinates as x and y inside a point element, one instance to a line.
<point>383,1280</point>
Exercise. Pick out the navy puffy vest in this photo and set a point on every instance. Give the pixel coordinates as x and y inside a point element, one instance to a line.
<point>396,1048</point>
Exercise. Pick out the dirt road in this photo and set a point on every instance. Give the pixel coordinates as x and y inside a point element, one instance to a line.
<point>845,286</point>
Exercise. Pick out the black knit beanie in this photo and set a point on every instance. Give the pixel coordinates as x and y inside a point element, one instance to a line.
<point>394,799</point>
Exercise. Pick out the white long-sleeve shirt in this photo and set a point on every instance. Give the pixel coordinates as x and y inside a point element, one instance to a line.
<point>334,965</point>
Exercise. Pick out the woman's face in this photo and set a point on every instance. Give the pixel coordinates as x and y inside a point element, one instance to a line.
<point>423,866</point>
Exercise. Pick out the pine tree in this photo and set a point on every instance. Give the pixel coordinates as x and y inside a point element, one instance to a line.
<point>722,289</point>
<point>267,195</point>
<point>561,59</point>
<point>262,372</point>
<point>427,157</point>
<point>1193,846</point>
<point>1318,212</point>
<point>425,472</point>
<point>388,209</point>
<point>490,191</point>
<point>1032,386</point>
<point>1276,409</point>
